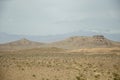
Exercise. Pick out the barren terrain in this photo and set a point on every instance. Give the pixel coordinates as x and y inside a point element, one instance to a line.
<point>81,60</point>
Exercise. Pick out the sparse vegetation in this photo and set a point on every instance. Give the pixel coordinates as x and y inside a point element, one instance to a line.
<point>32,64</point>
<point>79,78</point>
<point>116,76</point>
<point>34,75</point>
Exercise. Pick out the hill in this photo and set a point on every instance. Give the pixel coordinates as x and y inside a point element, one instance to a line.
<point>20,44</point>
<point>77,42</point>
<point>23,42</point>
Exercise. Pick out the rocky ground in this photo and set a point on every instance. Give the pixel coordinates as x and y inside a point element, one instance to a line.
<point>59,66</point>
<point>75,58</point>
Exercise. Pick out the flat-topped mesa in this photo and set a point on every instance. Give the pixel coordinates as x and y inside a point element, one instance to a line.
<point>99,37</point>
<point>100,40</point>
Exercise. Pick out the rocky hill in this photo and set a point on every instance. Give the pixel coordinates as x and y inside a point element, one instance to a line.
<point>20,44</point>
<point>77,42</point>
<point>23,42</point>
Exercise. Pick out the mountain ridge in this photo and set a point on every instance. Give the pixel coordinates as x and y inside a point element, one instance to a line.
<point>85,42</point>
<point>6,37</point>
<point>75,42</point>
<point>23,42</point>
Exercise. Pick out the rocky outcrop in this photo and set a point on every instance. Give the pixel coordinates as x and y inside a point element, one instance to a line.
<point>77,42</point>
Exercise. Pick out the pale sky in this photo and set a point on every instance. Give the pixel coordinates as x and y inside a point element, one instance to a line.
<point>52,17</point>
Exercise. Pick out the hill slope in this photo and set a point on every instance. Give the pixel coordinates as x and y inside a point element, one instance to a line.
<point>24,42</point>
<point>20,44</point>
<point>77,42</point>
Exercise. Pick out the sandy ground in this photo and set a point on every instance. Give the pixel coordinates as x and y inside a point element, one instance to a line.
<point>59,66</point>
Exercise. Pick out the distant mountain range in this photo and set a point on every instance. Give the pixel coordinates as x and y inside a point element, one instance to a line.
<point>4,37</point>
<point>75,42</point>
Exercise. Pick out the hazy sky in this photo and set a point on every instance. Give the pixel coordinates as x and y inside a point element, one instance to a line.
<point>51,17</point>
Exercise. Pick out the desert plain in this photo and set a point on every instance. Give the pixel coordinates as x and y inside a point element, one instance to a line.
<point>75,58</point>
